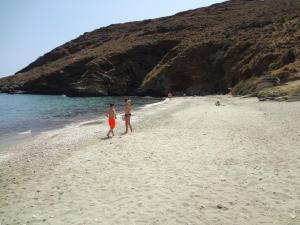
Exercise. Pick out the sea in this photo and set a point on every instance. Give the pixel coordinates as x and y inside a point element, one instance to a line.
<point>24,115</point>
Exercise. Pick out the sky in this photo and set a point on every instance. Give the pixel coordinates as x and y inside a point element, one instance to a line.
<point>31,28</point>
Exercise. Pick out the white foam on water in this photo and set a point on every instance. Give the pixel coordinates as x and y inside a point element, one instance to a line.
<point>137,118</point>
<point>25,132</point>
<point>156,104</point>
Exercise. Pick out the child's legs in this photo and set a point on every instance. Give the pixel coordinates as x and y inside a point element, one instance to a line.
<point>126,123</point>
<point>129,123</point>
<point>112,124</point>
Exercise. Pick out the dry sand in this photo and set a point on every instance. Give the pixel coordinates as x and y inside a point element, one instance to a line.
<point>188,162</point>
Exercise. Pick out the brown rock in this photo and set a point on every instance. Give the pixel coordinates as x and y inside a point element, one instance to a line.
<point>203,51</point>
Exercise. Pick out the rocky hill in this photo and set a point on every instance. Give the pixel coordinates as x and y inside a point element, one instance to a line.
<point>246,46</point>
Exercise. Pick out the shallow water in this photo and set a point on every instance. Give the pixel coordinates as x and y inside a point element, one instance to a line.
<point>27,115</point>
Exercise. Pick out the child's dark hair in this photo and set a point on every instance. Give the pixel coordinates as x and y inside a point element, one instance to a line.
<point>111,105</point>
<point>126,99</point>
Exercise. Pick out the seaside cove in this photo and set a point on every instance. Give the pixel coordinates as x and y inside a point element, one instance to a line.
<point>187,162</point>
<point>150,112</point>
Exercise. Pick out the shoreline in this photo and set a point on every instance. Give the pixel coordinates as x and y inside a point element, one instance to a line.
<point>21,137</point>
<point>188,162</point>
<point>33,142</point>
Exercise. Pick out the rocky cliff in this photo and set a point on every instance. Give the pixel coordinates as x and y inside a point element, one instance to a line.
<point>241,45</point>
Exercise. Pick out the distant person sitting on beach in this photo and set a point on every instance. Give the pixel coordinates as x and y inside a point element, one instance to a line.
<point>111,114</point>
<point>170,94</point>
<point>127,115</point>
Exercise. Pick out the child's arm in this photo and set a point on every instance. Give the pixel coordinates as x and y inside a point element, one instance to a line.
<point>115,114</point>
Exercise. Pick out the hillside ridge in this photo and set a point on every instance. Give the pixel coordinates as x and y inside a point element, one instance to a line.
<point>242,46</point>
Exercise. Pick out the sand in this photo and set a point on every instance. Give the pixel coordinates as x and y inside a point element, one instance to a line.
<point>188,162</point>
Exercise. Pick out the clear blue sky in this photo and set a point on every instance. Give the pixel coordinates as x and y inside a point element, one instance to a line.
<point>30,28</point>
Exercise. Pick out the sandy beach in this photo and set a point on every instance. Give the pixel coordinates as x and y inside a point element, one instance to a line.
<point>188,162</point>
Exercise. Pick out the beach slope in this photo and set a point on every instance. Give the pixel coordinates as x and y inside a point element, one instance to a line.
<point>188,162</point>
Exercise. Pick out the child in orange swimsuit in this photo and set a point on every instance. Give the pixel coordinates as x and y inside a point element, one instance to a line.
<point>111,114</point>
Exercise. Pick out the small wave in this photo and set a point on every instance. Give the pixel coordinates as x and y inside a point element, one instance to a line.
<point>25,132</point>
<point>89,123</point>
<point>157,103</point>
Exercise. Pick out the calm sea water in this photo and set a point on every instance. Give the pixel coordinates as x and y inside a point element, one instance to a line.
<point>23,115</point>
